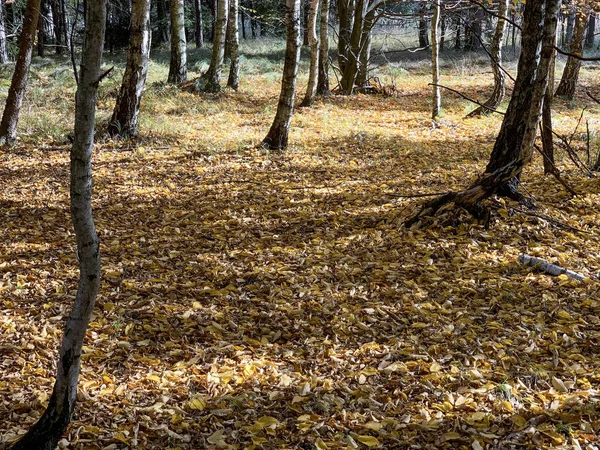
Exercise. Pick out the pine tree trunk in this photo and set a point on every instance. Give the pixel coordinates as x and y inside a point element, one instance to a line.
<point>234,45</point>
<point>568,82</point>
<point>277,137</point>
<point>323,79</point>
<point>198,33</point>
<point>178,65</point>
<point>311,88</point>
<point>435,66</point>
<point>210,80</point>
<point>16,92</point>
<point>3,52</point>
<point>124,121</point>
<point>499,76</point>
<point>45,434</point>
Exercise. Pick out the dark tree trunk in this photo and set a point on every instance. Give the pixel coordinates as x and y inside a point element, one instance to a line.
<point>243,23</point>
<point>162,16</point>
<point>41,41</point>
<point>16,92</point>
<point>210,80</point>
<point>570,26</point>
<point>3,52</point>
<point>457,39</point>
<point>323,79</point>
<point>46,433</point>
<point>124,121</point>
<point>591,30</point>
<point>233,43</point>
<point>443,32</point>
<point>59,33</point>
<point>198,34</point>
<point>311,31</point>
<point>568,82</point>
<point>499,76</point>
<point>277,137</point>
<point>423,34</point>
<point>178,64</point>
<point>346,10</point>
<point>252,21</point>
<point>476,29</point>
<point>547,137</point>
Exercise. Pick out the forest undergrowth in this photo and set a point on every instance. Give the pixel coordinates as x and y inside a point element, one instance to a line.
<point>275,300</point>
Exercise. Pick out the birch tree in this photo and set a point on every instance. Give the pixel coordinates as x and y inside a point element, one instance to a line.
<point>178,64</point>
<point>209,82</point>
<point>435,61</point>
<point>311,88</point>
<point>233,43</point>
<point>323,79</point>
<point>570,76</point>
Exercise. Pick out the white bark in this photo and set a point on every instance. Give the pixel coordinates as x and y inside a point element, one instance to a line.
<point>311,88</point>
<point>435,61</point>
<point>178,65</point>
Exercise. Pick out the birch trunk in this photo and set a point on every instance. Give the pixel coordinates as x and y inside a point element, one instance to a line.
<point>568,81</point>
<point>3,52</point>
<point>178,65</point>
<point>499,91</point>
<point>311,88</point>
<point>435,62</point>
<point>233,44</point>
<point>124,121</point>
<point>209,82</point>
<point>16,92</point>
<point>45,434</point>
<point>323,82</point>
<point>277,137</point>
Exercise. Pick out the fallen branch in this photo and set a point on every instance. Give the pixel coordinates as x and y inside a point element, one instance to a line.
<point>550,269</point>
<point>589,94</point>
<point>467,98</point>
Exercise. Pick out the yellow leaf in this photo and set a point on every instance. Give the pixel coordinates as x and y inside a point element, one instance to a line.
<point>267,421</point>
<point>451,436</point>
<point>153,378</point>
<point>507,405</point>
<point>519,421</point>
<point>320,444</point>
<point>435,367</point>
<point>197,403</point>
<point>369,441</point>
<point>375,426</point>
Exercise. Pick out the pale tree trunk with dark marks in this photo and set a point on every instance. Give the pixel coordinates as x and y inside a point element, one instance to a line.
<point>124,120</point>
<point>568,81</point>
<point>514,144</point>
<point>499,91</point>
<point>233,43</point>
<point>3,52</point>
<point>178,65</point>
<point>16,92</point>
<point>364,58</point>
<point>277,137</point>
<point>209,82</point>
<point>47,431</point>
<point>323,79</point>
<point>311,88</point>
<point>435,62</point>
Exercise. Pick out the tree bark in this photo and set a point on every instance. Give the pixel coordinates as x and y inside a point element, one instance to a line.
<point>591,30</point>
<point>568,82</point>
<point>16,92</point>
<point>3,52</point>
<point>345,10</point>
<point>435,66</point>
<point>233,44</point>
<point>323,79</point>
<point>499,76</point>
<point>277,137</point>
<point>124,120</point>
<point>198,33</point>
<point>59,33</point>
<point>311,88</point>
<point>546,133</point>
<point>209,81</point>
<point>41,40</point>
<point>178,65</point>
<point>45,434</point>
<point>423,35</point>
<point>364,57</point>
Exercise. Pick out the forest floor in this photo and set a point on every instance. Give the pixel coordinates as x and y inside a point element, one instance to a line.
<point>275,300</point>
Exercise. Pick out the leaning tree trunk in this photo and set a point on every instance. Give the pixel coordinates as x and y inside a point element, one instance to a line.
<point>233,43</point>
<point>198,32</point>
<point>45,434</point>
<point>513,147</point>
<point>16,92</point>
<point>499,76</point>
<point>323,81</point>
<point>3,52</point>
<point>568,82</point>
<point>311,88</point>
<point>178,65</point>
<point>209,82</point>
<point>124,120</point>
<point>435,62</point>
<point>350,70</point>
<point>277,137</point>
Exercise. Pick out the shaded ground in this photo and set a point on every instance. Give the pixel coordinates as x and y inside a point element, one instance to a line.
<point>255,300</point>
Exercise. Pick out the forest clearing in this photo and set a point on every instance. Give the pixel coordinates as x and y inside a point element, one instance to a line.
<point>254,297</point>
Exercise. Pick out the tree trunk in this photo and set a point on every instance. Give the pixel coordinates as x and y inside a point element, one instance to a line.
<point>306,8</point>
<point>41,41</point>
<point>457,39</point>
<point>346,10</point>
<point>45,434</point>
<point>499,76</point>
<point>3,52</point>
<point>209,81</point>
<point>243,23</point>
<point>124,120</point>
<point>570,25</point>
<point>568,82</point>
<point>252,21</point>
<point>59,33</point>
<point>323,79</point>
<point>591,30</point>
<point>178,65</point>
<point>16,92</point>
<point>234,45</point>
<point>311,88</point>
<point>277,137</point>
<point>547,137</point>
<point>443,31</point>
<point>198,34</point>
<point>423,35</point>
<point>513,147</point>
<point>364,57</point>
<point>476,29</point>
<point>435,66</point>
